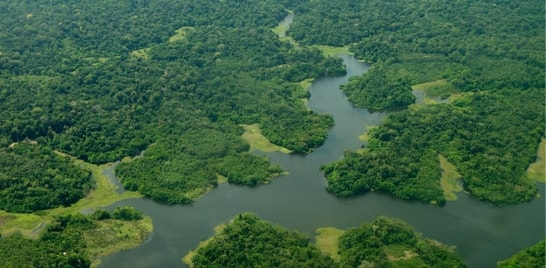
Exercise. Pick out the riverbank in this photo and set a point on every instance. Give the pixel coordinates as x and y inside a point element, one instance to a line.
<point>536,170</point>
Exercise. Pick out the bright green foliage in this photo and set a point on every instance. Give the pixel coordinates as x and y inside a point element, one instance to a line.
<point>490,154</point>
<point>531,257</point>
<point>250,242</point>
<point>375,91</point>
<point>387,242</point>
<point>33,177</point>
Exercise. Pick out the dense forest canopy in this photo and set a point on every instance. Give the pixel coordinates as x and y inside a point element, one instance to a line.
<point>33,177</point>
<point>110,80</point>
<point>389,242</point>
<point>249,242</point>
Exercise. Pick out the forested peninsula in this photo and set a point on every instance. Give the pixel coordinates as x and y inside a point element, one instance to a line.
<point>249,241</point>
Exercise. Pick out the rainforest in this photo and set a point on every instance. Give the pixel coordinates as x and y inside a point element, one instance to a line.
<point>109,104</point>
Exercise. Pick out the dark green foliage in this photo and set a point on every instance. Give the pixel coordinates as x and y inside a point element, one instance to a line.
<point>531,257</point>
<point>473,133</point>
<point>126,213</point>
<point>250,242</point>
<point>375,91</point>
<point>100,215</point>
<point>371,244</point>
<point>33,177</point>
<point>247,169</point>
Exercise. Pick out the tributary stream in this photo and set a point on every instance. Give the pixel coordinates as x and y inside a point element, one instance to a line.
<point>482,233</point>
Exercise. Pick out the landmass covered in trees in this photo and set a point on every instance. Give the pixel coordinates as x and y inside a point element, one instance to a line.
<point>377,92</point>
<point>76,240</point>
<point>491,154</point>
<point>491,53</point>
<point>248,241</point>
<point>534,256</point>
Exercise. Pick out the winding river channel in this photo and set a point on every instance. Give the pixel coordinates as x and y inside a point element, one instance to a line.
<point>482,233</point>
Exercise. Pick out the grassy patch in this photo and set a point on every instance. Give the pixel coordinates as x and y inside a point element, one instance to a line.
<point>104,194</point>
<point>399,252</point>
<point>437,88</point>
<point>281,29</point>
<point>115,235</point>
<point>330,51</point>
<point>449,180</point>
<point>221,179</point>
<point>306,84</point>
<point>327,241</point>
<point>180,34</point>
<point>536,170</point>
<point>188,258</point>
<point>257,141</point>
<point>366,135</point>
<point>141,53</point>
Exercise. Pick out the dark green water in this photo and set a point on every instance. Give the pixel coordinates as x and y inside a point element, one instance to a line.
<point>482,233</point>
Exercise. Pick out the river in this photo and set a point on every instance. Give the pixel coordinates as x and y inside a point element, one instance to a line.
<point>482,233</point>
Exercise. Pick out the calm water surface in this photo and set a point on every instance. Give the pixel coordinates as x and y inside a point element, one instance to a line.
<point>482,233</point>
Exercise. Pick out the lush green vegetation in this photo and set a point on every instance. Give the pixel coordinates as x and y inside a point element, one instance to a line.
<point>327,240</point>
<point>494,50</point>
<point>374,91</point>
<point>74,240</point>
<point>534,256</point>
<point>33,177</point>
<point>387,242</point>
<point>491,155</point>
<point>248,241</point>
<point>104,81</point>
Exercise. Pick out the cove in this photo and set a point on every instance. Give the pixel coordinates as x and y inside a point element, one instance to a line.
<point>482,233</point>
